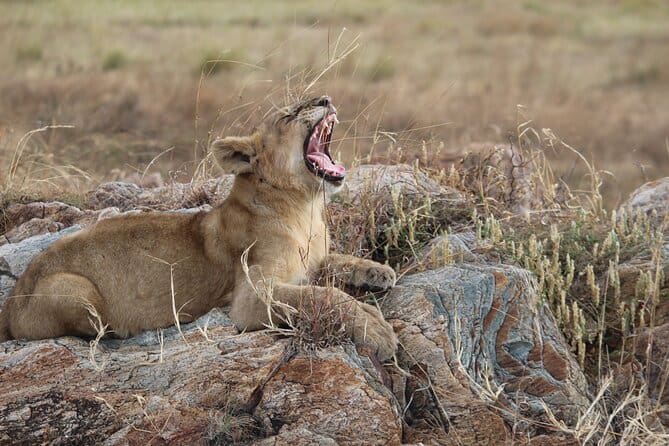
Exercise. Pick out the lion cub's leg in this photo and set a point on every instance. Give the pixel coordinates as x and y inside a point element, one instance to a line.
<point>364,323</point>
<point>60,304</point>
<point>360,273</point>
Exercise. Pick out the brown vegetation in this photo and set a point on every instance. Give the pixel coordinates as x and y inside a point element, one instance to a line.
<point>145,85</point>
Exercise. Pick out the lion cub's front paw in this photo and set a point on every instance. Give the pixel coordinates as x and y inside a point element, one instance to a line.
<point>369,328</point>
<point>373,276</point>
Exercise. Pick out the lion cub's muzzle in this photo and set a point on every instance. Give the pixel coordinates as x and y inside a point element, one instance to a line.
<point>317,146</point>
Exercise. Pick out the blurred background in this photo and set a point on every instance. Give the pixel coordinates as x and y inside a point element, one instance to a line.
<point>147,84</point>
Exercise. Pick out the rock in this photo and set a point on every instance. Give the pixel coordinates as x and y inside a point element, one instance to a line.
<point>450,248</point>
<point>214,386</point>
<point>296,437</point>
<point>651,198</point>
<point>652,349</point>
<point>137,389</point>
<point>31,228</point>
<point>334,395</point>
<point>115,194</point>
<point>19,213</point>
<point>474,335</point>
<point>384,181</point>
<point>108,213</point>
<point>553,440</point>
<point>388,201</point>
<point>436,400</point>
<point>125,196</point>
<point>631,272</point>
<point>15,257</point>
<point>500,173</point>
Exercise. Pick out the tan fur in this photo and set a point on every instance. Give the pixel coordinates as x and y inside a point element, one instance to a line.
<point>123,267</point>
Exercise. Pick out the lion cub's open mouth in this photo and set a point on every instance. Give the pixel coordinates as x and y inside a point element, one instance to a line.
<point>317,151</point>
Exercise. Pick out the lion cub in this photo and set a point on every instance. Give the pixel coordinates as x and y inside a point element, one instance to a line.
<point>120,268</point>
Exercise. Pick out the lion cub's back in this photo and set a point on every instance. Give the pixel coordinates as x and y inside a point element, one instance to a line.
<point>125,255</point>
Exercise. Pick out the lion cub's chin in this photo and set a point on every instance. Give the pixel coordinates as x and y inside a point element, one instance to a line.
<point>333,188</point>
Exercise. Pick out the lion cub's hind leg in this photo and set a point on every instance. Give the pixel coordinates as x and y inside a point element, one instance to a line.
<point>61,304</point>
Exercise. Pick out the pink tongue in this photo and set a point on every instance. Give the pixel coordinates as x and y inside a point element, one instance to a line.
<point>324,163</point>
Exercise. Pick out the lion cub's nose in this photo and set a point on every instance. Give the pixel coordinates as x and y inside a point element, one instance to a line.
<point>325,101</point>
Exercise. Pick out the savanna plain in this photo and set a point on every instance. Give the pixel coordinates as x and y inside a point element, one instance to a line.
<point>109,90</point>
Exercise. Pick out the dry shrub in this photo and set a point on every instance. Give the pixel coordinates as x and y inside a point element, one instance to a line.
<point>320,323</point>
<point>229,427</point>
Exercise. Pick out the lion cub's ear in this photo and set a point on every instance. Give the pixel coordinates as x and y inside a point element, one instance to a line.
<point>234,153</point>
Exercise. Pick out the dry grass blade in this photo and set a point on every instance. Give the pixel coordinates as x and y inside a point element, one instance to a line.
<point>20,148</point>
<point>350,48</point>
<point>175,311</point>
<point>264,289</point>
<point>101,329</point>
<point>594,196</point>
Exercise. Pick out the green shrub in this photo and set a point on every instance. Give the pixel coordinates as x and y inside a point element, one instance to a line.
<point>114,60</point>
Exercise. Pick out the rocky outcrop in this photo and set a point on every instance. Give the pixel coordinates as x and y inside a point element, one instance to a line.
<point>54,211</point>
<point>31,228</point>
<point>476,338</point>
<point>336,394</point>
<point>379,180</point>
<point>378,203</point>
<point>213,386</point>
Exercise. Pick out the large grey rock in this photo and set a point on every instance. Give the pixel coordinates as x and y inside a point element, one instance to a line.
<point>479,335</point>
<point>502,175</point>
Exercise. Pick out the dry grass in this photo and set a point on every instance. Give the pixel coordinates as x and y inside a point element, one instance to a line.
<point>230,426</point>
